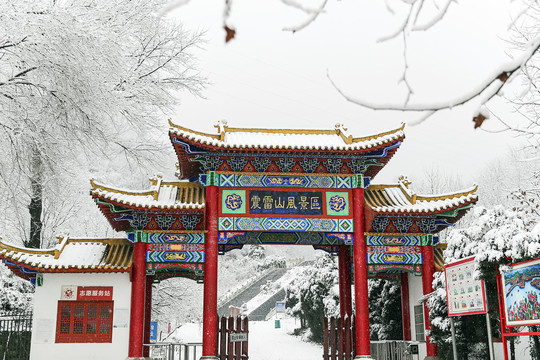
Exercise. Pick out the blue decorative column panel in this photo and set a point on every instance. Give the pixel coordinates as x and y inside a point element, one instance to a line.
<point>394,255</point>
<point>394,269</point>
<point>287,181</point>
<point>284,238</point>
<point>187,238</point>
<point>402,240</point>
<point>182,253</point>
<point>184,238</point>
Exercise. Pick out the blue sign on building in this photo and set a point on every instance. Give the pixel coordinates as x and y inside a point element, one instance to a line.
<point>153,330</point>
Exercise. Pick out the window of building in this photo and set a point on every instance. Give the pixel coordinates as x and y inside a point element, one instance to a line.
<point>84,322</point>
<point>419,322</point>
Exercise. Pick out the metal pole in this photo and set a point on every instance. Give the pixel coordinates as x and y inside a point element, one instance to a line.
<point>454,347</point>
<point>490,337</point>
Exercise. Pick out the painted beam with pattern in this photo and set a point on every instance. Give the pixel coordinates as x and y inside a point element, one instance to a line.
<point>402,240</point>
<point>286,180</point>
<point>284,238</point>
<point>175,256</point>
<point>285,224</point>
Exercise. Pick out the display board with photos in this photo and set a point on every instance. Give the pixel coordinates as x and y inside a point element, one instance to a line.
<point>465,294</point>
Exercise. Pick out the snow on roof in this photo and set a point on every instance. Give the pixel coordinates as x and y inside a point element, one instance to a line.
<point>398,198</point>
<point>73,254</point>
<point>161,195</point>
<point>238,138</point>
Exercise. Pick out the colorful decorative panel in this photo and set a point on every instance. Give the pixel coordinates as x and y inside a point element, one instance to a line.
<point>175,247</point>
<point>285,224</point>
<point>285,238</point>
<point>290,181</point>
<point>337,203</point>
<point>268,202</point>
<point>175,256</point>
<point>401,240</point>
<point>392,269</point>
<point>189,238</point>
<point>233,202</point>
<point>394,255</point>
<point>301,203</point>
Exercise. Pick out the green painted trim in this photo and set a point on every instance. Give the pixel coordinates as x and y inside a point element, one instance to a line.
<point>211,178</point>
<point>454,213</point>
<point>112,207</point>
<point>358,181</point>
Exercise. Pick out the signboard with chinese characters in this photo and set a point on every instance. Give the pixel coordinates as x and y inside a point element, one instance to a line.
<point>521,295</point>
<point>465,294</point>
<point>97,293</point>
<point>284,202</point>
<point>86,293</point>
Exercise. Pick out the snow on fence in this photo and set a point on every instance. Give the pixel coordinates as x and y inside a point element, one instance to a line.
<point>233,338</point>
<point>338,338</point>
<point>15,331</point>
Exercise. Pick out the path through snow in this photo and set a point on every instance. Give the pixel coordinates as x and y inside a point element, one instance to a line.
<point>265,341</point>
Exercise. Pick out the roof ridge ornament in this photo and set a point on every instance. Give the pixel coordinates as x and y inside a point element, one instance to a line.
<point>222,127</point>
<point>344,132</point>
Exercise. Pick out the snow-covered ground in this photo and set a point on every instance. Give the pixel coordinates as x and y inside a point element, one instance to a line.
<point>265,341</point>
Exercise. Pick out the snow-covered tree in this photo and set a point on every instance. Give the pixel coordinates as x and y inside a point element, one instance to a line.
<point>496,237</point>
<point>15,293</point>
<point>80,78</point>
<point>384,310</point>
<point>314,294</point>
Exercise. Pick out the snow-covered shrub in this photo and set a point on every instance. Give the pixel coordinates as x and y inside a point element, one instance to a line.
<point>384,310</point>
<point>496,237</point>
<point>314,293</point>
<point>15,293</point>
<point>271,261</point>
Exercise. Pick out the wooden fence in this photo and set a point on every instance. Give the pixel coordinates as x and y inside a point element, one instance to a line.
<point>338,338</point>
<point>230,347</point>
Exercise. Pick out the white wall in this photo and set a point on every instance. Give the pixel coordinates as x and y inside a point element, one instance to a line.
<point>415,294</point>
<point>45,314</point>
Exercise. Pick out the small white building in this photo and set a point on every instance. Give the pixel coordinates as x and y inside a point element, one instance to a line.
<point>82,297</point>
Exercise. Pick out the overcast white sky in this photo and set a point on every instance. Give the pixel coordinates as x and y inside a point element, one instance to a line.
<point>270,78</point>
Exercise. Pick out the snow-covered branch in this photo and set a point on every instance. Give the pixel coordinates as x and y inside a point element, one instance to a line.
<point>313,14</point>
<point>485,90</point>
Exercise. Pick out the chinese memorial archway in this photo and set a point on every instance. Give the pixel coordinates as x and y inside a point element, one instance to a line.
<point>262,186</point>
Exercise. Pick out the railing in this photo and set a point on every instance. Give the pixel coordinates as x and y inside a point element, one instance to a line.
<point>233,338</point>
<point>15,330</point>
<point>338,338</point>
<point>390,350</point>
<point>175,351</point>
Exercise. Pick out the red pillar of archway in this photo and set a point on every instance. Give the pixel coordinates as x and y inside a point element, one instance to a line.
<point>147,314</point>
<point>344,263</point>
<point>210,319</point>
<point>138,285</point>
<point>428,270</point>
<point>360,277</point>
<point>405,310</point>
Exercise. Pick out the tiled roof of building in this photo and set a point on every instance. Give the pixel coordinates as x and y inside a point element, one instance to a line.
<point>160,195</point>
<point>72,255</point>
<point>338,139</point>
<point>399,199</point>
